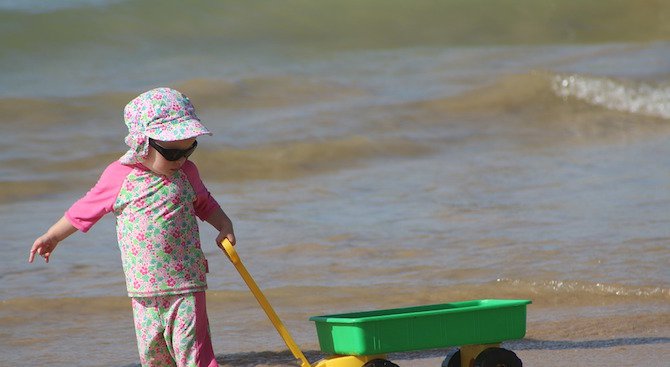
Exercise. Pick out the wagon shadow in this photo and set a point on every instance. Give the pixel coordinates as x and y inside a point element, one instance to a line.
<point>532,344</point>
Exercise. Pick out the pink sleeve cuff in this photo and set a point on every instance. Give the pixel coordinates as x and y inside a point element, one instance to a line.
<point>79,224</point>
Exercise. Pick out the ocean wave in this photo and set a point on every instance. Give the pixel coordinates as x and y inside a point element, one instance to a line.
<point>529,108</point>
<point>266,91</point>
<point>257,92</point>
<point>587,289</point>
<point>294,159</point>
<point>12,191</point>
<point>636,98</point>
<point>349,298</point>
<point>555,94</point>
<point>72,304</point>
<point>270,161</point>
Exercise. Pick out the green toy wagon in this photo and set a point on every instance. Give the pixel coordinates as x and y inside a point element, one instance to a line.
<point>479,322</point>
<point>362,339</point>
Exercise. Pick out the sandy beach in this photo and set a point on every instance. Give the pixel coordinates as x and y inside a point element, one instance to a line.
<point>624,356</point>
<point>651,355</point>
<point>645,342</point>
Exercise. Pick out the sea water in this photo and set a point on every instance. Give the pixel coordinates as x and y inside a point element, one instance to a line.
<point>372,155</point>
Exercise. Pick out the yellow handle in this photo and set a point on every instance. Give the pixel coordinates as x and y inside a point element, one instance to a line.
<point>235,259</point>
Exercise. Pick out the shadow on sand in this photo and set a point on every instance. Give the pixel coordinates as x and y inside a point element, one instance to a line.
<point>285,358</point>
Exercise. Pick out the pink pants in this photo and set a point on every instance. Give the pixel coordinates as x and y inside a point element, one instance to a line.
<point>173,331</point>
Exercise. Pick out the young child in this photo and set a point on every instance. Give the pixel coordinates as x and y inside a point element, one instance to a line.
<point>156,194</point>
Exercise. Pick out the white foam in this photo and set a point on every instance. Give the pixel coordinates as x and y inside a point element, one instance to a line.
<point>615,95</point>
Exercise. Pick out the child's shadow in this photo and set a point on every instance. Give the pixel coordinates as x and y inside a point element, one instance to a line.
<point>258,359</point>
<point>266,358</point>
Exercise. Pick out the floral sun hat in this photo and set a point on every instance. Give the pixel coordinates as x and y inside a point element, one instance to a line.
<point>161,114</point>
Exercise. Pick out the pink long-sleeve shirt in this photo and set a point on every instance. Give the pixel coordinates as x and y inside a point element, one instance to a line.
<point>156,225</point>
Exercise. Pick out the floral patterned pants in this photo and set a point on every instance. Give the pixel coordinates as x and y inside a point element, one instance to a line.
<point>173,331</point>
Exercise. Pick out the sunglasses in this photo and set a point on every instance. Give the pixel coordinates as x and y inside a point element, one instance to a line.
<point>173,154</point>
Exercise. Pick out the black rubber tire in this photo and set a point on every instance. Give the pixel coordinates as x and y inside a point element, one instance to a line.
<point>380,363</point>
<point>497,357</point>
<point>453,359</point>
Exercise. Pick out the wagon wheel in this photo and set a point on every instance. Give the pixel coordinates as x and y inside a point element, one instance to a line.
<point>380,363</point>
<point>453,359</point>
<point>497,357</point>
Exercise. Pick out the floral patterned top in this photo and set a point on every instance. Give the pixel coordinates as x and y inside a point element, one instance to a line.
<point>156,225</point>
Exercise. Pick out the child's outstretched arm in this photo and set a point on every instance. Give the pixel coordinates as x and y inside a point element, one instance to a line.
<point>219,220</point>
<point>46,243</point>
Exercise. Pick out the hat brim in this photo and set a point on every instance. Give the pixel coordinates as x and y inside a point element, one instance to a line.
<point>177,129</point>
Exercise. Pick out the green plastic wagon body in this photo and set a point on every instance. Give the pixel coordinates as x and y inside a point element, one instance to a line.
<point>422,327</point>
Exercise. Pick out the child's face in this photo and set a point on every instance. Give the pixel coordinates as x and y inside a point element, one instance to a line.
<point>158,164</point>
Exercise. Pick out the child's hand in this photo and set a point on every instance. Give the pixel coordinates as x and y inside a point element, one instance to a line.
<point>223,235</point>
<point>219,220</point>
<point>43,246</point>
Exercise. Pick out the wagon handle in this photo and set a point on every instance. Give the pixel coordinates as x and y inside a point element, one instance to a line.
<point>283,332</point>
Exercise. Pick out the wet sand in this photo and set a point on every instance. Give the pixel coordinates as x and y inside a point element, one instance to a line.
<point>656,355</point>
<point>635,341</point>
<point>648,355</point>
